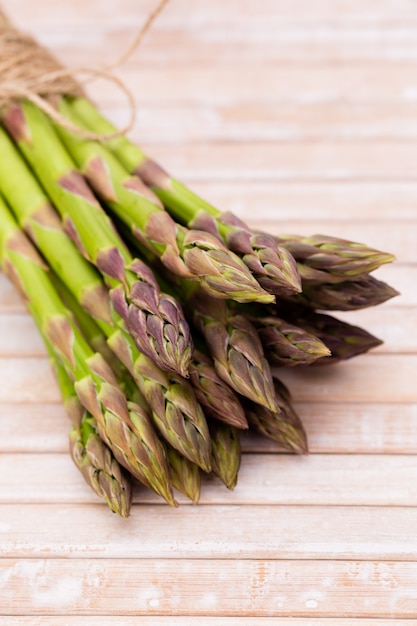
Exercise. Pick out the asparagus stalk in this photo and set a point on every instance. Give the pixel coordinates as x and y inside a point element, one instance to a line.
<point>349,295</point>
<point>87,325</point>
<point>155,320</point>
<point>284,427</point>
<point>287,345</point>
<point>226,453</point>
<point>272,265</point>
<point>93,458</point>
<point>120,424</point>
<point>342,339</point>
<point>189,253</point>
<point>325,259</point>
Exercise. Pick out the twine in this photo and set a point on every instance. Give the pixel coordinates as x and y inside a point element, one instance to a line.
<point>30,71</point>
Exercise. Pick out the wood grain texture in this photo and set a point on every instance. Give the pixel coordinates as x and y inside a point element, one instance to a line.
<point>401,11</point>
<point>206,587</point>
<point>79,620</point>
<point>277,122</point>
<point>209,532</point>
<point>302,42</point>
<point>216,83</point>
<point>354,202</point>
<point>300,117</point>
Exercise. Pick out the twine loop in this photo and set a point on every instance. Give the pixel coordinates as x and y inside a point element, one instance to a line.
<point>30,71</point>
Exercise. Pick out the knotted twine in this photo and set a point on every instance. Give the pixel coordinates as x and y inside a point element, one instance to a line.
<point>30,71</point>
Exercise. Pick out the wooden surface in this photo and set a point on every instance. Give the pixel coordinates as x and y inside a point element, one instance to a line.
<point>300,116</point>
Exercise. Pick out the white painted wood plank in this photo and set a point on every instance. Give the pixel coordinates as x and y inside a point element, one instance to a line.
<point>269,122</point>
<point>230,588</point>
<point>385,11</point>
<point>289,161</point>
<point>33,427</point>
<point>27,380</point>
<point>351,429</point>
<point>354,201</point>
<point>283,83</point>
<point>333,480</point>
<point>236,39</point>
<point>214,532</point>
<point>79,620</point>
<point>18,334</point>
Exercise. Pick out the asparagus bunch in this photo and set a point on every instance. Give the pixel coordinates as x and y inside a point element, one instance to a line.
<point>120,314</point>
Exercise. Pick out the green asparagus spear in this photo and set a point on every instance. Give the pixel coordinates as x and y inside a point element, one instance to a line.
<point>288,345</point>
<point>349,295</point>
<point>325,259</point>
